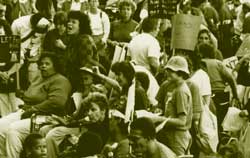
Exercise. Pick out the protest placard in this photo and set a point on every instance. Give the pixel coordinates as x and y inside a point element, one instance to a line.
<point>185,31</point>
<point>162,8</point>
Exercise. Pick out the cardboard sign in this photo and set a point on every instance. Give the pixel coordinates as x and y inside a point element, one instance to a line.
<point>185,31</point>
<point>162,8</point>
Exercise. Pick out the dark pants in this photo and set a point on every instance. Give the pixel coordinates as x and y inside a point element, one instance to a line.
<point>221,101</point>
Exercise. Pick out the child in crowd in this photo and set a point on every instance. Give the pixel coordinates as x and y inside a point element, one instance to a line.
<point>34,146</point>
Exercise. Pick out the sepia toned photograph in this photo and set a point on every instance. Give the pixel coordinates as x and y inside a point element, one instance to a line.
<point>124,78</point>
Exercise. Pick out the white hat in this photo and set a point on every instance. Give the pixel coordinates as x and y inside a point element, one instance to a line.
<point>178,63</point>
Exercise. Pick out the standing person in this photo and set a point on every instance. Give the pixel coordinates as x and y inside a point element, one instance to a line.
<point>144,49</point>
<point>178,108</point>
<point>7,87</point>
<point>100,26</point>
<point>226,27</point>
<point>121,29</point>
<point>78,31</point>
<point>204,36</point>
<point>32,28</point>
<point>219,76</point>
<point>142,139</point>
<point>55,40</point>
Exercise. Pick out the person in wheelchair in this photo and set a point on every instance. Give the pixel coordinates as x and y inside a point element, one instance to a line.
<point>45,97</point>
<point>91,116</point>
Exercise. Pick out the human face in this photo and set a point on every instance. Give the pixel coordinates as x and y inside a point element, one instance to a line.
<point>138,143</point>
<point>172,76</point>
<point>95,113</point>
<point>122,80</point>
<point>61,28</point>
<point>87,79</point>
<point>94,4</point>
<point>40,149</point>
<point>47,67</point>
<point>2,11</point>
<point>204,38</point>
<point>73,27</point>
<point>126,13</point>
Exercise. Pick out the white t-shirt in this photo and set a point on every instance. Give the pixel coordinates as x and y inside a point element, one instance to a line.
<point>22,27</point>
<point>143,46</point>
<point>76,6</point>
<point>202,80</point>
<point>99,23</point>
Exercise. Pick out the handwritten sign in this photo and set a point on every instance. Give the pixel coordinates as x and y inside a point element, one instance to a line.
<point>185,31</point>
<point>230,63</point>
<point>162,8</point>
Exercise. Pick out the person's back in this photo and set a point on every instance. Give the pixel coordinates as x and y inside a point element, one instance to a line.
<point>165,152</point>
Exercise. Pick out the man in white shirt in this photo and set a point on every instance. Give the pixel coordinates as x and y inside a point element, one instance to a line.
<point>144,49</point>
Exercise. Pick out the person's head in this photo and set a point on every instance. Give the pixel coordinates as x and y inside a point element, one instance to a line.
<point>93,4</point>
<point>177,68</point>
<point>125,73</point>
<point>89,144</point>
<point>246,7</point>
<point>49,64</point>
<point>87,77</point>
<point>34,146</point>
<point>127,9</point>
<point>142,79</point>
<point>142,131</point>
<point>230,147</point>
<point>96,106</point>
<point>246,25</point>
<point>206,50</point>
<point>151,25</point>
<point>204,36</point>
<point>2,10</point>
<point>39,23</point>
<point>78,23</point>
<point>60,21</point>
<point>45,8</point>
<point>5,28</point>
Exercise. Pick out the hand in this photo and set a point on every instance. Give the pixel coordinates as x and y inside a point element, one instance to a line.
<point>4,76</point>
<point>236,103</point>
<point>59,43</point>
<point>28,113</point>
<point>244,113</point>
<point>24,107</point>
<point>96,70</point>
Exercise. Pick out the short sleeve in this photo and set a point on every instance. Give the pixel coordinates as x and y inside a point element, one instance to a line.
<point>154,49</point>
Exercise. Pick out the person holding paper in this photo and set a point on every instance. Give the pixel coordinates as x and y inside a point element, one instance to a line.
<point>178,109</point>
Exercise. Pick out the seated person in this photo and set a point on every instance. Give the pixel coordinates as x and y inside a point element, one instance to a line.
<point>91,116</point>
<point>48,96</point>
<point>118,144</point>
<point>34,146</point>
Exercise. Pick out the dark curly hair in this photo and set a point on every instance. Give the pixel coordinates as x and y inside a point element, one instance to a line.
<point>54,58</point>
<point>84,21</point>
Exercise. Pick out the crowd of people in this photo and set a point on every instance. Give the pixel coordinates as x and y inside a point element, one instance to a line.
<point>100,79</point>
